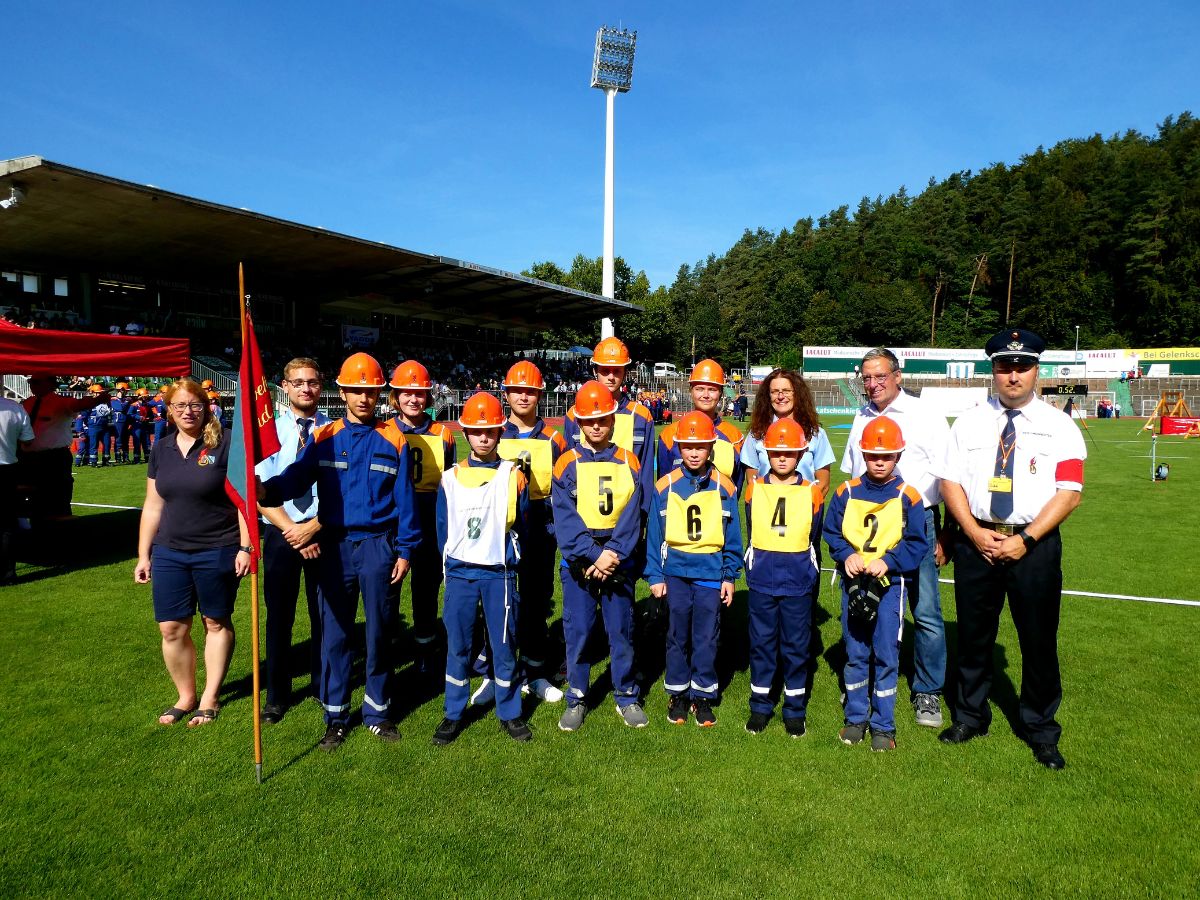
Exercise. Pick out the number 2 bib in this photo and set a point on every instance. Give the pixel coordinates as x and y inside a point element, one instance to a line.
<point>873,528</point>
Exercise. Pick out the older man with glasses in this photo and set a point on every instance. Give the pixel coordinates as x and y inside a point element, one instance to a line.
<point>926,434</point>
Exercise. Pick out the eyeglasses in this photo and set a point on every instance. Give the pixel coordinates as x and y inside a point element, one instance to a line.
<point>786,393</point>
<point>298,383</point>
<point>877,379</point>
<point>184,407</point>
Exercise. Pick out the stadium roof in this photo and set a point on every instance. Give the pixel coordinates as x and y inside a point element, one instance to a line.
<point>91,222</point>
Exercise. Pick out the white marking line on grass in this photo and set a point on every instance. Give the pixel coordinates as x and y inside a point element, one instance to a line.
<point>103,505</point>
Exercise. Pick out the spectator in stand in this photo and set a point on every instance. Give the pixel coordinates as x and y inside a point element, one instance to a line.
<point>195,543</point>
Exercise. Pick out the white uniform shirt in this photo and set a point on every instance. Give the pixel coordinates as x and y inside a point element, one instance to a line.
<point>1049,455</point>
<point>925,436</point>
<point>14,427</point>
<point>289,448</point>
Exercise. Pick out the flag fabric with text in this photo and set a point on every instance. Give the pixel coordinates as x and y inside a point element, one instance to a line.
<point>254,437</point>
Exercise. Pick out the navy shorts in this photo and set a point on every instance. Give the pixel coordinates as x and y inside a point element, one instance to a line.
<point>182,580</point>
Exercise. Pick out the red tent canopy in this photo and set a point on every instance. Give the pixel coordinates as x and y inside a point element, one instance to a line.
<point>38,350</point>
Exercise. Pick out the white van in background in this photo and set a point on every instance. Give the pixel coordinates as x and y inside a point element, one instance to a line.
<point>664,370</point>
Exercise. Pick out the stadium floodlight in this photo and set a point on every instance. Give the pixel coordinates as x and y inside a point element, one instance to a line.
<point>612,72</point>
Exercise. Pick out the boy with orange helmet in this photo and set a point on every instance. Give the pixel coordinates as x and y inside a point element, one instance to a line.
<point>707,384</point>
<point>783,522</point>
<point>482,504</point>
<point>875,529</point>
<point>432,450</point>
<point>598,520</point>
<point>693,557</point>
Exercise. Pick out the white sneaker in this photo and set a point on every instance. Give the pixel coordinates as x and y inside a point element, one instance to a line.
<point>485,695</point>
<point>543,689</point>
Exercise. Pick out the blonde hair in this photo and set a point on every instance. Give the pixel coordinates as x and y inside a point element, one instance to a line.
<point>212,425</point>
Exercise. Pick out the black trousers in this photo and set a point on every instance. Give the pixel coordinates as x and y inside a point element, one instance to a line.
<point>8,521</point>
<point>49,471</point>
<point>282,566</point>
<point>1033,586</point>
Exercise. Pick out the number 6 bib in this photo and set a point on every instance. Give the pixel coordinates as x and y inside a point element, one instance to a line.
<point>695,524</point>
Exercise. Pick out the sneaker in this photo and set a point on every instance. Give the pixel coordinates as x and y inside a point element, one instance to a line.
<point>705,717</point>
<point>633,715</point>
<point>853,734</point>
<point>335,736</point>
<point>485,695</point>
<point>446,732</point>
<point>677,709</point>
<point>883,740</point>
<point>385,731</point>
<point>516,729</point>
<point>572,717</point>
<point>928,710</point>
<point>543,690</point>
<point>270,714</point>
<point>794,726</point>
<point>757,723</point>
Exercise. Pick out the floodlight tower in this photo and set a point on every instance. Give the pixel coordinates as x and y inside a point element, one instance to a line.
<point>612,71</point>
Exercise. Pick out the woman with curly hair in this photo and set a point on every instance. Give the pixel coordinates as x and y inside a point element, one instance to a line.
<point>784,395</point>
<point>195,541</point>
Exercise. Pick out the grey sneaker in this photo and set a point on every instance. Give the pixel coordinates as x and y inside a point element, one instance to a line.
<point>928,710</point>
<point>883,740</point>
<point>634,715</point>
<point>572,718</point>
<point>853,734</point>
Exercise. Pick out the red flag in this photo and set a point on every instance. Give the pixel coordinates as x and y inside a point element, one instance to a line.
<point>254,436</point>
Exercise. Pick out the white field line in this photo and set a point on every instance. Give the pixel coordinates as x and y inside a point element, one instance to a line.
<point>103,505</point>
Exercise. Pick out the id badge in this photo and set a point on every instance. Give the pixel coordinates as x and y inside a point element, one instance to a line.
<point>1000,484</point>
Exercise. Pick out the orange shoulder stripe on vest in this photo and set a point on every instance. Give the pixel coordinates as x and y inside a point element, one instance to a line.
<point>725,482</point>
<point>628,458</point>
<point>914,495</point>
<point>390,432</point>
<point>668,435</point>
<point>328,430</point>
<point>667,479</point>
<point>636,408</point>
<point>563,461</point>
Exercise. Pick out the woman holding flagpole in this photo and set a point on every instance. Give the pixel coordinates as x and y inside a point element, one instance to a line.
<point>196,544</point>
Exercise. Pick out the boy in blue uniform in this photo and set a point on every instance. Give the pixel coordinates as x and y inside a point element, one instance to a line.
<point>598,518</point>
<point>432,449</point>
<point>875,529</point>
<point>160,413</point>
<point>120,422</point>
<point>693,557</point>
<point>99,429</point>
<point>80,432</point>
<point>368,532</point>
<point>783,521</point>
<point>481,508</point>
<point>706,383</point>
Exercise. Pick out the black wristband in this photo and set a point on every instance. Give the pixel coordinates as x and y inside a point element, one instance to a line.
<point>1029,539</point>
<point>249,550</point>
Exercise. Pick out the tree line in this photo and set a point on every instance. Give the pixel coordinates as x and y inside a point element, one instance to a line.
<point>1103,233</point>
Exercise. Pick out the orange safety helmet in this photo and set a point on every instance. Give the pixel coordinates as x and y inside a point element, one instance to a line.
<point>411,375</point>
<point>611,352</point>
<point>524,375</point>
<point>206,384</point>
<point>95,389</point>
<point>882,435</point>
<point>708,371</point>
<point>122,385</point>
<point>482,410</point>
<point>594,401</point>
<point>785,434</point>
<point>214,395</point>
<point>695,428</point>
<point>142,392</point>
<point>163,388</point>
<point>360,370</point>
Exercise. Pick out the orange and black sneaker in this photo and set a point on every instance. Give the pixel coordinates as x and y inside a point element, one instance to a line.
<point>677,709</point>
<point>705,717</point>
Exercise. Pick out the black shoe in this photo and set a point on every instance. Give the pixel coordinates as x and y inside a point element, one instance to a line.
<point>677,709</point>
<point>960,733</point>
<point>757,723</point>
<point>385,731</point>
<point>335,736</point>
<point>1048,756</point>
<point>702,708</point>
<point>794,726</point>
<point>270,714</point>
<point>517,729</point>
<point>446,732</point>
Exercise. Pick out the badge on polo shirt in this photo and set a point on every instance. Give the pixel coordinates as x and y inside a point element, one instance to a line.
<point>204,460</point>
<point>1000,484</point>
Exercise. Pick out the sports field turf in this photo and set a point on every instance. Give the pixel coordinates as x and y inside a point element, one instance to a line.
<point>99,800</point>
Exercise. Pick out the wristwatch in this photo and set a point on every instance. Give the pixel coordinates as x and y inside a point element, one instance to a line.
<point>249,550</point>
<point>1029,539</point>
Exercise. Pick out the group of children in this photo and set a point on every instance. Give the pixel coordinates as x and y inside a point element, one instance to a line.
<point>120,430</point>
<point>493,525</point>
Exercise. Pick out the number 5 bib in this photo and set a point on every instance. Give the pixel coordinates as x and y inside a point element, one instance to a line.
<point>602,489</point>
<point>695,524</point>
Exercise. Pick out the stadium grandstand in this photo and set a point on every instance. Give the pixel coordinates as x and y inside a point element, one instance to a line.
<point>85,251</point>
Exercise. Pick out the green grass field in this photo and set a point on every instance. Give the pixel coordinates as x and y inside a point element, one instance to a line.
<point>99,800</point>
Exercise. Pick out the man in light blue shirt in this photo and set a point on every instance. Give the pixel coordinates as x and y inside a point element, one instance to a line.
<point>289,540</point>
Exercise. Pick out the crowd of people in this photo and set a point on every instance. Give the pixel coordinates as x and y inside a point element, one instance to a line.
<point>358,504</point>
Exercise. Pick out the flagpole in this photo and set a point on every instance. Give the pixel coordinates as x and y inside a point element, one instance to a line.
<point>251,509</point>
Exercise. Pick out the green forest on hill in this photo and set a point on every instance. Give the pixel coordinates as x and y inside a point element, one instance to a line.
<point>1103,233</point>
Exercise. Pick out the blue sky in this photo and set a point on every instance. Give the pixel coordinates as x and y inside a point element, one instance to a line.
<point>468,129</point>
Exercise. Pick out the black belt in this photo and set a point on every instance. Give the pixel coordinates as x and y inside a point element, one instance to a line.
<point>1001,527</point>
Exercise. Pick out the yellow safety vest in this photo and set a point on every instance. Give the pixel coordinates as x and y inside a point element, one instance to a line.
<point>536,459</point>
<point>781,517</point>
<point>871,528</point>
<point>724,457</point>
<point>623,432</point>
<point>602,491</point>
<point>477,476</point>
<point>428,460</point>
<point>695,524</point>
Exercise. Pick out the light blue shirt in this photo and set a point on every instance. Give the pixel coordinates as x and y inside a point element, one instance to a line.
<point>289,446</point>
<point>818,455</point>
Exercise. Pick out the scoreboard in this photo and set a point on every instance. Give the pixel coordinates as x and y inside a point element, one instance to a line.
<point>1065,390</point>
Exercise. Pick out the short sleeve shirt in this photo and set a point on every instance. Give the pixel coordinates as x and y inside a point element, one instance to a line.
<point>14,427</point>
<point>197,514</point>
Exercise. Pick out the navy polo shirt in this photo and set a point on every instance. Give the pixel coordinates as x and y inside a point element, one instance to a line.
<point>197,514</point>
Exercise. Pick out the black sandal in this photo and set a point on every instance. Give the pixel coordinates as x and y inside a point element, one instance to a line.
<point>177,715</point>
<point>209,714</point>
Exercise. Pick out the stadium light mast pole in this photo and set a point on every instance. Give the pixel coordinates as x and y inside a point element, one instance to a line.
<point>612,72</point>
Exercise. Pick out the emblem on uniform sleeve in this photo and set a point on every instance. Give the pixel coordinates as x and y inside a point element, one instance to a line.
<point>1033,465</point>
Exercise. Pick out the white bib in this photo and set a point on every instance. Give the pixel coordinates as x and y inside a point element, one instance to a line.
<point>476,518</point>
